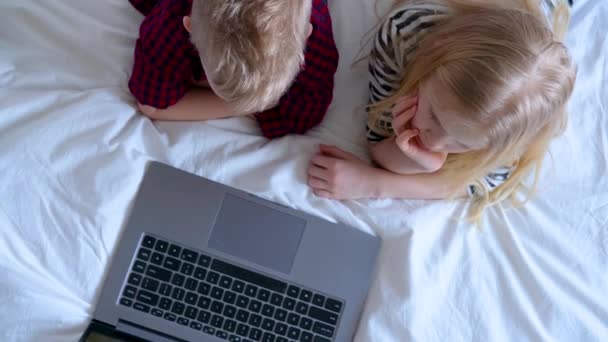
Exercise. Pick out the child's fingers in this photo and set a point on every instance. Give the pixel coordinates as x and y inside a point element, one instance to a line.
<point>399,122</point>
<point>335,152</point>
<point>318,172</point>
<point>317,183</point>
<point>404,103</point>
<point>403,140</point>
<point>322,161</point>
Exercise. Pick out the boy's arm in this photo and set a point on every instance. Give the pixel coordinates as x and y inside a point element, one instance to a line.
<point>388,155</point>
<point>197,105</point>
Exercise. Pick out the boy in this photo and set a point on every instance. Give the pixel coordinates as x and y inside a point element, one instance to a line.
<point>211,59</point>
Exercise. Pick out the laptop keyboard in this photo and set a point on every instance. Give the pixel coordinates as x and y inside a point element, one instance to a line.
<point>218,298</point>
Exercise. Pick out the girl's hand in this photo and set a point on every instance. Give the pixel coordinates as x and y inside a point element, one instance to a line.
<point>403,112</point>
<point>336,174</point>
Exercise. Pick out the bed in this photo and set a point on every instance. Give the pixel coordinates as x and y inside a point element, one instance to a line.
<point>73,150</point>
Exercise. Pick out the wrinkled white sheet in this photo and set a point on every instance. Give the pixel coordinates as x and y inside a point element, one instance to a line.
<point>73,150</point>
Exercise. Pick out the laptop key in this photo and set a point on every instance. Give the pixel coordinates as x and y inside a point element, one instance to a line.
<point>267,324</point>
<point>157,258</point>
<point>204,316</point>
<point>204,303</point>
<point>323,315</point>
<point>221,334</point>
<point>318,299</point>
<point>280,329</point>
<point>178,294</point>
<point>175,250</point>
<point>191,298</point>
<point>276,299</point>
<point>165,303</point>
<point>229,311</point>
<point>242,301</point>
<point>302,308</point>
<point>251,290</point>
<point>134,279</point>
<point>200,273</point>
<point>268,337</point>
<point>306,296</point>
<point>306,323</point>
<point>238,286</point>
<point>191,312</point>
<point>289,303</point>
<point>178,308</point>
<point>204,260</point>
<point>204,288</point>
<point>267,310</point>
<point>141,307</point>
<point>213,277</point>
<point>150,284</point>
<point>225,282</point>
<point>217,293</point>
<point>293,333</point>
<point>255,306</point>
<point>126,302</point>
<point>187,268</point>
<point>321,339</point>
<point>217,307</point>
<point>172,264</point>
<point>217,321</point>
<point>178,279</point>
<point>282,339</point>
<point>157,312</point>
<point>165,289</point>
<point>144,254</point>
<point>183,321</point>
<point>229,297</point>
<point>293,291</point>
<point>148,241</point>
<point>147,297</point>
<point>161,246</point>
<point>209,330</point>
<point>255,334</point>
<point>230,325</point>
<point>242,330</point>
<point>333,305</point>
<point>323,329</point>
<point>191,284</point>
<point>139,266</point>
<point>264,295</point>
<point>129,291</point>
<point>293,319</point>
<point>234,338</point>
<point>306,337</point>
<point>255,320</point>
<point>170,317</point>
<point>189,255</point>
<point>196,325</point>
<point>242,316</point>
<point>158,273</point>
<point>280,315</point>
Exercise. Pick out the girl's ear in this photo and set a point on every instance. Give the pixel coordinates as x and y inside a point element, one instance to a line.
<point>187,23</point>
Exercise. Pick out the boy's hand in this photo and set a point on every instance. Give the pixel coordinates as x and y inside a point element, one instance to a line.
<point>405,136</point>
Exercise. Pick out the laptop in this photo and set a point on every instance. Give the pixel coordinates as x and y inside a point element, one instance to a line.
<point>201,261</point>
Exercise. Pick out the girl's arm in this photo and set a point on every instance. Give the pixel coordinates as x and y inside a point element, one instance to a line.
<point>336,174</point>
<point>389,156</point>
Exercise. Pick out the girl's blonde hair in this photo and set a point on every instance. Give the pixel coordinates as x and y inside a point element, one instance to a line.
<point>512,78</point>
<point>252,50</point>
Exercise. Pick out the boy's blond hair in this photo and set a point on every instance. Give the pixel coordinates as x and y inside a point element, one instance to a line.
<point>251,50</point>
<point>512,78</point>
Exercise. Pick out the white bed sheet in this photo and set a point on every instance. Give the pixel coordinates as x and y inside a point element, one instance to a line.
<point>73,150</point>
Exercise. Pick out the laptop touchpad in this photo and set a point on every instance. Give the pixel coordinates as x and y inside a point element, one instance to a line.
<point>257,233</point>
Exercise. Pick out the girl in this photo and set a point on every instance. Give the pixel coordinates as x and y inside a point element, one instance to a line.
<point>465,97</point>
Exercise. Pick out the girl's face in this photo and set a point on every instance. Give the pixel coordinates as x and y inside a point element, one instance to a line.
<point>434,122</point>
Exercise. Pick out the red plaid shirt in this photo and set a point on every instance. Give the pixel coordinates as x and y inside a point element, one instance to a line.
<point>166,63</point>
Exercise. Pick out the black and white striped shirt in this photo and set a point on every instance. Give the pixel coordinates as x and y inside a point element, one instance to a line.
<point>393,46</point>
